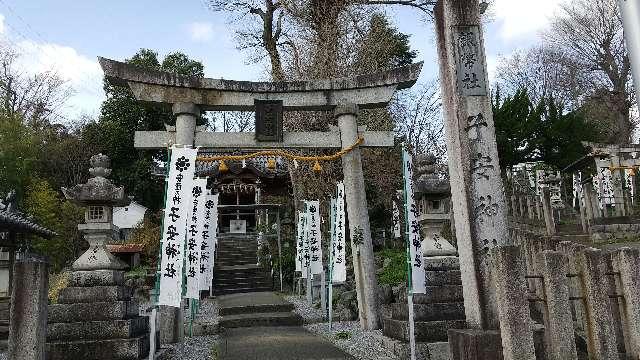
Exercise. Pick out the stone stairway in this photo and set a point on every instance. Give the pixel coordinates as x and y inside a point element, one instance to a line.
<point>440,309</point>
<point>236,269</point>
<point>5,305</point>
<point>256,309</point>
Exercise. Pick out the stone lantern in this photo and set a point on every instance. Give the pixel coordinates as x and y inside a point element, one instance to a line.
<point>98,196</point>
<point>95,316</point>
<point>432,194</point>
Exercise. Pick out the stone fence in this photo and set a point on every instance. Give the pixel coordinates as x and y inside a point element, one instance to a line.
<point>575,292</point>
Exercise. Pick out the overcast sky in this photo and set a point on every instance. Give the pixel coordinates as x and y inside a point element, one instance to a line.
<point>69,35</point>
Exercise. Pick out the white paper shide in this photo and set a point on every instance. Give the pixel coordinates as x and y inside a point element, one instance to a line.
<point>178,202</point>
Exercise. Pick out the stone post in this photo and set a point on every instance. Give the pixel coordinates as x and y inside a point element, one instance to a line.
<point>530,205</point>
<point>601,337</point>
<point>590,202</point>
<point>477,191</point>
<point>514,205</point>
<point>516,328</point>
<point>29,308</point>
<point>628,265</point>
<point>558,322</point>
<point>549,221</point>
<point>357,212</point>
<point>186,115</point>
<point>617,177</point>
<point>521,205</point>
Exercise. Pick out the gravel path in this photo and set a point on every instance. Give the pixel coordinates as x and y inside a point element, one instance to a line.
<point>208,312</point>
<point>195,348</point>
<point>310,314</point>
<point>363,345</point>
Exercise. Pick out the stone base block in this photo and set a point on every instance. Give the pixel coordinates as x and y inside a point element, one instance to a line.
<point>98,330</point>
<point>424,351</point>
<point>96,278</point>
<point>429,312</point>
<point>118,349</point>
<point>441,263</point>
<point>445,277</point>
<point>425,331</point>
<point>72,295</point>
<point>440,294</point>
<point>98,311</point>
<point>469,344</point>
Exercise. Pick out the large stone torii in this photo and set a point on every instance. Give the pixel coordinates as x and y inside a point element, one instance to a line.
<point>188,96</point>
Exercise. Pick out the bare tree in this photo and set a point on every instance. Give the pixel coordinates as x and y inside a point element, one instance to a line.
<point>591,32</point>
<point>231,121</point>
<point>418,117</point>
<point>34,96</point>
<point>545,73</point>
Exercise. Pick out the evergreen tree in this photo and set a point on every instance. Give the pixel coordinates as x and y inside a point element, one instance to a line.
<point>121,115</point>
<point>540,132</point>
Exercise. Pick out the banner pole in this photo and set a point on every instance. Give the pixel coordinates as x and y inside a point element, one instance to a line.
<point>412,334</point>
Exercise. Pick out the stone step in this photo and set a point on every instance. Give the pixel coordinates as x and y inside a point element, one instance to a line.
<point>98,330</point>
<point>4,314</point>
<point>242,275</point>
<point>440,294</point>
<point>425,331</point>
<point>233,262</point>
<point>5,305</point>
<point>227,291</point>
<point>253,309</point>
<point>261,319</point>
<point>429,312</point>
<point>448,277</point>
<point>116,349</point>
<point>98,311</point>
<point>242,283</point>
<point>72,295</point>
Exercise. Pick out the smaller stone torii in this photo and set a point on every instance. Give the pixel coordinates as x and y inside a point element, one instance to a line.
<point>189,96</point>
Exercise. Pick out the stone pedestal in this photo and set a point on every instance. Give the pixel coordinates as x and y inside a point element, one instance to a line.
<point>435,312</point>
<point>95,318</point>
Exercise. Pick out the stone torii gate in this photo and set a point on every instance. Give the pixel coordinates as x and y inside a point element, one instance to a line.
<point>189,96</point>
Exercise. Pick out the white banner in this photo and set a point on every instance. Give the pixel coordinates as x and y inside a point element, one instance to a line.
<point>209,240</point>
<point>315,237</point>
<point>338,255</point>
<point>414,237</point>
<point>300,240</point>
<point>179,186</point>
<point>396,221</point>
<point>195,231</point>
<point>305,256</point>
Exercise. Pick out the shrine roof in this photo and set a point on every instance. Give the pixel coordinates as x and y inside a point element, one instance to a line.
<point>17,222</point>
<point>368,91</point>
